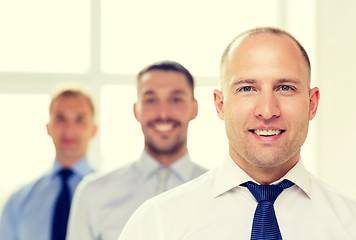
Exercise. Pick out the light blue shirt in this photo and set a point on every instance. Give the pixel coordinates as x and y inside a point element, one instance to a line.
<point>102,204</point>
<point>27,215</point>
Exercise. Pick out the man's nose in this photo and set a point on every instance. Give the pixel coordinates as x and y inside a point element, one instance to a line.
<point>267,106</point>
<point>164,110</point>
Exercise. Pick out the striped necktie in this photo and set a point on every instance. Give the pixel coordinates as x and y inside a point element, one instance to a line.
<point>62,207</point>
<point>163,173</point>
<point>265,225</point>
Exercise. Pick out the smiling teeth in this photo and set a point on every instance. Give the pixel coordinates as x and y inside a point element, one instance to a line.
<point>267,132</point>
<point>164,127</point>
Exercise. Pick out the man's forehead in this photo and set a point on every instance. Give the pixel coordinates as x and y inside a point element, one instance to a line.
<point>163,81</point>
<point>162,77</point>
<point>263,41</point>
<point>164,91</point>
<point>266,50</point>
<point>257,40</point>
<point>71,103</point>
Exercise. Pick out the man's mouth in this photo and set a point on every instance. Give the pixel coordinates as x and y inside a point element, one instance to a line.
<point>69,141</point>
<point>163,127</point>
<point>267,133</point>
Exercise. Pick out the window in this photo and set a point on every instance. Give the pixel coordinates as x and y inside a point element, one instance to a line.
<point>44,36</point>
<point>103,44</point>
<point>138,32</point>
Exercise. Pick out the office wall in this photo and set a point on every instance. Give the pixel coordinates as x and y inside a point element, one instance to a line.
<point>336,53</point>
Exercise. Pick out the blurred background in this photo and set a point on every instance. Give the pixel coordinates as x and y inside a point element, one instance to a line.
<point>104,43</point>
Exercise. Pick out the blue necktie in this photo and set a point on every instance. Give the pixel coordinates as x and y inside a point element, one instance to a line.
<point>62,207</point>
<point>265,225</point>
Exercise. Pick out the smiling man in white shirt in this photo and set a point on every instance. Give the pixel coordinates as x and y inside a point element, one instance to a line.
<point>165,106</point>
<point>266,103</point>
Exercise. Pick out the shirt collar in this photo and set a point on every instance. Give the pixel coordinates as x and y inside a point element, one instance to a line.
<point>300,177</point>
<point>183,167</point>
<point>148,166</point>
<point>79,168</point>
<point>229,175</point>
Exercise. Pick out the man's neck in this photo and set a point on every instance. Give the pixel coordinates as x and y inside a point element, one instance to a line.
<point>166,159</point>
<point>67,162</point>
<point>266,176</point>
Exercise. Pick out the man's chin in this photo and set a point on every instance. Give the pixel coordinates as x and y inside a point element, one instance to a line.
<point>70,153</point>
<point>268,161</point>
<point>164,149</point>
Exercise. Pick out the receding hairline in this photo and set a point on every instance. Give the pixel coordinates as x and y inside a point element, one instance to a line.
<point>67,93</point>
<point>255,31</point>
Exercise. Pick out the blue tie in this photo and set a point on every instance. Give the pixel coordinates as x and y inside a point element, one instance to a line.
<point>265,225</point>
<point>62,207</point>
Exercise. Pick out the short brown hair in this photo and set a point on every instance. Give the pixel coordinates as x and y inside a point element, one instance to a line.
<point>168,65</point>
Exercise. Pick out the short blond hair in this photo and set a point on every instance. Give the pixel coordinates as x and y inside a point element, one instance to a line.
<point>258,30</point>
<point>72,92</point>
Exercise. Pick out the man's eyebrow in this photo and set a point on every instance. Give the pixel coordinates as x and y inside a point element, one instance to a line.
<point>279,81</point>
<point>175,92</point>
<point>179,91</point>
<point>148,92</point>
<point>288,80</point>
<point>57,114</point>
<point>245,81</point>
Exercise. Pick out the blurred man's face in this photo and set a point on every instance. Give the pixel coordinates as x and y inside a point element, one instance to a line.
<point>71,127</point>
<point>164,107</point>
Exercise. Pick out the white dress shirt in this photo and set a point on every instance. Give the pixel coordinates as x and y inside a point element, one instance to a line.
<point>103,204</point>
<point>215,206</point>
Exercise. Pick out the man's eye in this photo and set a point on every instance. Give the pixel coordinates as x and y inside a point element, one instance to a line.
<point>80,119</point>
<point>245,89</point>
<point>59,118</point>
<point>150,100</point>
<point>176,100</point>
<point>285,88</point>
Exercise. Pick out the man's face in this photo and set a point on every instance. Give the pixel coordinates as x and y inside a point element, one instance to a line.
<point>164,107</point>
<point>71,127</point>
<point>266,103</point>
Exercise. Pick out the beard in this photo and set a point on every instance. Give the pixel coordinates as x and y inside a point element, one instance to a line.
<point>167,150</point>
<point>272,156</point>
<point>267,155</point>
<point>267,158</point>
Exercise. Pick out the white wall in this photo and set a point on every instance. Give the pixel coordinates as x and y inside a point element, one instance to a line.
<point>328,150</point>
<point>336,53</point>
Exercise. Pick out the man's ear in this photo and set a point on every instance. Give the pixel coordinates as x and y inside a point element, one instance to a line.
<point>219,103</point>
<point>135,110</point>
<point>95,129</point>
<point>48,129</point>
<point>195,109</point>
<point>313,102</point>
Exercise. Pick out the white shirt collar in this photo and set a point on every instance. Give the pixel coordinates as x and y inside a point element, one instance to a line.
<point>148,166</point>
<point>229,176</point>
